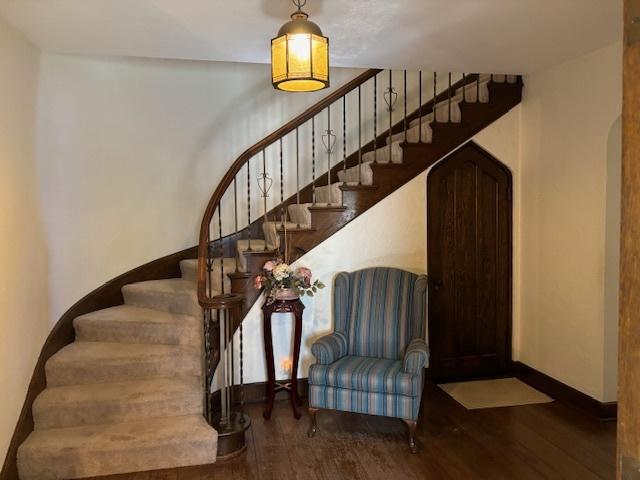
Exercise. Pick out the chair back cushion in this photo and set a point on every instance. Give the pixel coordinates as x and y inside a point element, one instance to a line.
<point>382,310</point>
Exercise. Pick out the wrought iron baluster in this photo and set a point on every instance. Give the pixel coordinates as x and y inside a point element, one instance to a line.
<point>297,170</point>
<point>435,96</point>
<point>464,87</point>
<point>249,204</point>
<point>229,342</point>
<point>264,189</point>
<point>405,107</point>
<point>223,368</point>
<point>449,99</point>
<point>478,88</point>
<point>375,118</point>
<point>221,247</point>
<point>313,160</point>
<point>209,264</point>
<point>235,216</point>
<point>329,149</point>
<point>344,140</point>
<point>282,207</point>
<point>242,420</point>
<point>207,364</point>
<point>359,137</point>
<point>420,106</point>
<point>390,111</point>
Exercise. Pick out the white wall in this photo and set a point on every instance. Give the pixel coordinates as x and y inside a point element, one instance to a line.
<point>567,115</point>
<point>24,292</point>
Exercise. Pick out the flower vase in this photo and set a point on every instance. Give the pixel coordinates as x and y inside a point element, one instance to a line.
<point>286,294</point>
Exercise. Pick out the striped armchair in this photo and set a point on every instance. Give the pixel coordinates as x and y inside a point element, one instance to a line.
<point>374,360</point>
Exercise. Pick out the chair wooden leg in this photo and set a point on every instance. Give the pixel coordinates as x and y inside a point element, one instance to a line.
<point>412,435</point>
<point>314,423</point>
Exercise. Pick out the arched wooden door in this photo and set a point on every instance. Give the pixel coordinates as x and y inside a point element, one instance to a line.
<point>469,244</point>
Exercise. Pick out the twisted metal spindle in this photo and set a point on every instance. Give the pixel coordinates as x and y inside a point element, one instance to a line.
<point>464,87</point>
<point>235,216</point>
<point>207,365</point>
<point>221,249</point>
<point>329,149</point>
<point>435,96</point>
<point>242,419</point>
<point>264,190</point>
<point>405,107</point>
<point>313,160</point>
<point>420,106</point>
<point>282,207</point>
<point>297,169</point>
<point>390,111</point>
<point>478,88</point>
<point>249,204</point>
<point>359,137</point>
<point>223,368</point>
<point>375,118</point>
<point>449,99</point>
<point>344,140</point>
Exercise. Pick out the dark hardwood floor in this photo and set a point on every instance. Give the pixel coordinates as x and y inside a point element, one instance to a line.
<point>546,441</point>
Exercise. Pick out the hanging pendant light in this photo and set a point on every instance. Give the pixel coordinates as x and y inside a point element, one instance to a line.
<point>300,55</point>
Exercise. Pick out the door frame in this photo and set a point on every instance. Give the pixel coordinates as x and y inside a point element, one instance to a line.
<point>439,164</point>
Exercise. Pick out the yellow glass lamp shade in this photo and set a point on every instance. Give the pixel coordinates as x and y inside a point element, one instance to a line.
<point>300,56</point>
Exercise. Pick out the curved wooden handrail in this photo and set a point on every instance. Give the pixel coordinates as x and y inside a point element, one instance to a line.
<point>287,128</point>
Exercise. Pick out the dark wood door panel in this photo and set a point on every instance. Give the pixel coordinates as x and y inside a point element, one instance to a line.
<point>469,265</point>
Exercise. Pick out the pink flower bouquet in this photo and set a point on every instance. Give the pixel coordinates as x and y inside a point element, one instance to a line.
<point>277,275</point>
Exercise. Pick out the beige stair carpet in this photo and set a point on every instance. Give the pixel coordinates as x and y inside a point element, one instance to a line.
<point>126,396</point>
<point>501,392</point>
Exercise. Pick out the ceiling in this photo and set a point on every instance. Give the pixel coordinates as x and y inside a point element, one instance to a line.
<point>512,36</point>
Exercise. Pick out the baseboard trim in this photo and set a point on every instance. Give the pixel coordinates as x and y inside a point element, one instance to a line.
<point>603,411</point>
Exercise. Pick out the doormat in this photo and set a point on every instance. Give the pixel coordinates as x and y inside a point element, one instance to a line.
<point>501,392</point>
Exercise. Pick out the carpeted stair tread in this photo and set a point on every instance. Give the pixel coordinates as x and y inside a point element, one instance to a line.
<point>329,194</point>
<point>174,295</point>
<point>96,362</point>
<point>95,450</point>
<point>413,135</point>
<point>131,324</point>
<point>116,402</point>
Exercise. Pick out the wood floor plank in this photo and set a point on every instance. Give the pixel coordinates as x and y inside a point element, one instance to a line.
<point>529,442</point>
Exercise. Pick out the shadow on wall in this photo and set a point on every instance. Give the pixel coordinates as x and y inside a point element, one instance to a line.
<point>612,260</point>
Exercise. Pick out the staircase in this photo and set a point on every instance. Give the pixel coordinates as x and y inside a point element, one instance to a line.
<point>127,395</point>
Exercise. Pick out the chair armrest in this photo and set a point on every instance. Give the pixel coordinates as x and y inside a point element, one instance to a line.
<point>416,356</point>
<point>330,348</point>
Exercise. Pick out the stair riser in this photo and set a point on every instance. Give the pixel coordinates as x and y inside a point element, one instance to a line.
<point>186,364</point>
<point>80,464</point>
<point>125,332</point>
<point>75,415</point>
<point>190,273</point>
<point>173,302</point>
<point>256,262</point>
